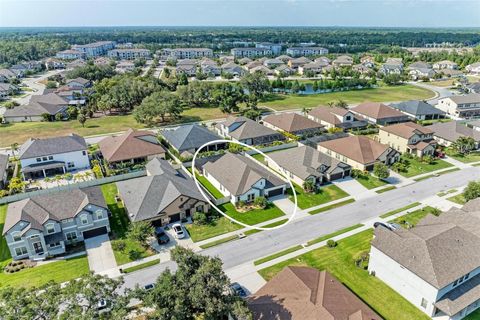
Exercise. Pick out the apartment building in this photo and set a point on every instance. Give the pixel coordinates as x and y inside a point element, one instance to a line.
<point>95,49</point>
<point>187,53</point>
<point>274,47</point>
<point>306,51</point>
<point>129,54</point>
<point>250,52</point>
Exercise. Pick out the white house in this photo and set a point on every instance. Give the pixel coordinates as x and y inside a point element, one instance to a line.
<point>467,106</point>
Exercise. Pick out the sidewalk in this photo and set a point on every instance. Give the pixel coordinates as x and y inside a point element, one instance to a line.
<point>456,163</point>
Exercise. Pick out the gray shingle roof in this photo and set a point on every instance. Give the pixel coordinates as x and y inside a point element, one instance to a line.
<point>417,108</point>
<point>247,129</point>
<point>189,137</point>
<point>50,103</point>
<point>452,130</point>
<point>146,197</point>
<point>42,147</point>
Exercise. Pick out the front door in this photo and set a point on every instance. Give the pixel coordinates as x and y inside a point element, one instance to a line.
<point>37,246</point>
<point>187,213</point>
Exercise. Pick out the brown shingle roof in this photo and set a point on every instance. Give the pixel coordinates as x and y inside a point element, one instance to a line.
<point>291,122</point>
<point>307,294</point>
<point>406,129</point>
<point>130,145</point>
<point>358,148</point>
<point>377,110</point>
<point>328,114</point>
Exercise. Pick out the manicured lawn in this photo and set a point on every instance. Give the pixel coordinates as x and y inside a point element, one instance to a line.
<point>214,191</point>
<point>386,189</point>
<point>475,315</point>
<point>277,255</point>
<point>326,194</point>
<point>252,217</point>
<point>444,193</point>
<point>428,176</point>
<point>470,157</point>
<point>142,266</point>
<point>334,234</point>
<point>417,167</point>
<point>220,241</point>
<point>459,198</point>
<point>5,257</point>
<point>119,224</point>
<point>59,271</point>
<point>412,218</point>
<point>270,225</point>
<point>340,262</point>
<point>260,157</point>
<point>384,93</point>
<point>370,182</point>
<point>391,213</point>
<point>220,226</point>
<point>332,206</point>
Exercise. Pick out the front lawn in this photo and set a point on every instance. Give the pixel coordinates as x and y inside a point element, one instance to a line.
<point>340,262</point>
<point>5,257</point>
<point>417,167</point>
<point>220,226</point>
<point>467,158</point>
<point>411,219</point>
<point>119,224</point>
<point>254,216</point>
<point>326,194</point>
<point>459,199</point>
<point>59,271</point>
<point>369,181</point>
<point>332,206</point>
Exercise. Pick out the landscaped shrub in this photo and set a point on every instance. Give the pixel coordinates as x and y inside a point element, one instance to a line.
<point>361,261</point>
<point>260,202</point>
<point>331,243</point>
<point>200,218</point>
<point>118,245</point>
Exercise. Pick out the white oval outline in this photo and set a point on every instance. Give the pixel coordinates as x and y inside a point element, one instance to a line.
<point>223,213</point>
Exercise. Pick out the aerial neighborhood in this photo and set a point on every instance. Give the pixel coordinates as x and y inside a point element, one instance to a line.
<point>307,180</point>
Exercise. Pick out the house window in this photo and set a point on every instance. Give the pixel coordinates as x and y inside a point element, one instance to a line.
<point>54,245</point>
<point>84,219</point>
<point>39,159</point>
<point>70,220</point>
<point>199,208</point>
<point>16,236</point>
<point>21,251</point>
<point>71,236</point>
<point>50,228</point>
<point>99,214</point>
<point>424,303</point>
<point>50,157</point>
<point>44,158</point>
<point>70,164</point>
<point>84,153</point>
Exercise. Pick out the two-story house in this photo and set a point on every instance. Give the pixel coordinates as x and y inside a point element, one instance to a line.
<point>408,137</point>
<point>44,157</point>
<point>43,226</point>
<point>467,106</point>
<point>247,131</point>
<point>335,117</point>
<point>435,265</point>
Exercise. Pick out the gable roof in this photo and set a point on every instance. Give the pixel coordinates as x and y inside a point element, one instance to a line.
<point>35,211</point>
<point>308,294</point>
<point>50,103</point>
<point>328,114</point>
<point>47,146</point>
<point>417,108</point>
<point>247,128</point>
<point>453,130</point>
<point>377,110</point>
<point>291,122</point>
<point>468,98</point>
<point>189,137</point>
<point>79,80</point>
<point>237,173</point>
<point>146,197</point>
<point>406,129</point>
<point>130,145</point>
<point>358,148</point>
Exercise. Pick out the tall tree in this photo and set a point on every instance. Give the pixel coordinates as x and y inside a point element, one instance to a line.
<point>158,105</point>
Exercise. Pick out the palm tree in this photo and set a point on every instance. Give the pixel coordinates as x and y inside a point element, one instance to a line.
<point>341,104</point>
<point>14,148</point>
<point>464,145</point>
<point>305,111</point>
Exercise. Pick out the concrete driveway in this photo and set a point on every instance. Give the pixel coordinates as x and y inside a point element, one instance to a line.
<point>284,204</point>
<point>100,254</point>
<point>354,188</point>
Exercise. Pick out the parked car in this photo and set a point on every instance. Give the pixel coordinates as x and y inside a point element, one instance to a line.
<point>388,225</point>
<point>149,286</point>
<point>102,304</point>
<point>238,290</point>
<point>179,233</point>
<point>161,236</point>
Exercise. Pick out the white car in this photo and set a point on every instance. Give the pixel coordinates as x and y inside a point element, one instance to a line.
<point>179,233</point>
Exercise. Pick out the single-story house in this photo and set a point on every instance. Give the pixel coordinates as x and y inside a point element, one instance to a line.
<point>308,294</point>
<point>49,104</point>
<point>360,152</point>
<point>445,64</point>
<point>164,196</point>
<point>306,163</point>
<point>233,69</point>
<point>379,113</point>
<point>298,62</point>
<point>78,83</point>
<point>419,110</point>
<point>343,61</point>
<point>43,226</point>
<point>7,89</point>
<point>448,132</point>
<point>284,70</point>
<point>133,146</point>
<point>334,117</point>
<point>293,123</point>
<point>247,131</point>
<point>408,137</point>
<point>473,68</point>
<point>242,179</point>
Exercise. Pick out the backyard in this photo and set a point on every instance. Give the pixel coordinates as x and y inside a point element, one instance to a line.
<point>5,257</point>
<point>340,262</point>
<point>326,194</point>
<point>416,166</point>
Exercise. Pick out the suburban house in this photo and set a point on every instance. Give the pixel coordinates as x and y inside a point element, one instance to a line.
<point>3,170</point>
<point>448,132</point>
<point>188,69</point>
<point>272,63</point>
<point>334,117</point>
<point>164,196</point>
<point>408,137</point>
<point>312,67</point>
<point>49,104</point>
<point>343,61</point>
<point>7,74</point>
<point>473,68</point>
<point>420,69</point>
<point>7,89</point>
<point>306,163</point>
<point>284,70</point>
<point>379,113</point>
<point>293,123</point>
<point>78,83</point>
<point>124,66</point>
<point>392,66</point>
<point>473,87</point>
<point>419,110</point>
<point>467,106</point>
<point>53,64</point>
<point>308,294</point>
<point>445,64</point>
<point>43,226</point>
<point>50,156</point>
<point>360,152</point>
<point>285,58</point>
<point>247,131</point>
<point>298,62</point>
<point>434,265</point>
<point>242,179</point>
<point>186,140</point>
<point>233,69</point>
<point>131,147</point>
<point>262,69</point>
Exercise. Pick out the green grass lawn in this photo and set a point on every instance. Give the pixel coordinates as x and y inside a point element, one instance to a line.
<point>417,167</point>
<point>332,206</point>
<point>370,182</point>
<point>258,156</point>
<point>277,255</point>
<point>220,241</point>
<point>383,93</point>
<point>340,262</point>
<point>119,224</point>
<point>220,226</point>
<point>459,199</point>
<point>254,216</point>
<point>270,225</point>
<point>467,158</point>
<point>214,191</point>
<point>412,218</point>
<point>5,257</point>
<point>326,194</point>
<point>428,176</point>
<point>142,266</point>
<point>59,271</point>
<point>385,189</point>
<point>334,234</point>
<point>391,213</point>
<point>475,315</point>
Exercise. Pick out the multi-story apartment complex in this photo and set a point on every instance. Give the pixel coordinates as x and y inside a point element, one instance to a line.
<point>95,49</point>
<point>129,54</point>
<point>70,54</point>
<point>306,51</point>
<point>275,47</point>
<point>250,52</point>
<point>187,53</point>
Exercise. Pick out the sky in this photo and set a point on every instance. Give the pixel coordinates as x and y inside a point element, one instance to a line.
<point>350,13</point>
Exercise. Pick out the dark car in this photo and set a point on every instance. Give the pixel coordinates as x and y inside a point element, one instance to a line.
<point>161,236</point>
<point>238,290</point>
<point>149,286</point>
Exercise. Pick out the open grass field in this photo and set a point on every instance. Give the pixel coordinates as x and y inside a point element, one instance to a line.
<point>332,206</point>
<point>326,194</point>
<point>340,262</point>
<point>5,257</point>
<point>214,191</point>
<point>380,94</point>
<point>391,213</point>
<point>411,219</point>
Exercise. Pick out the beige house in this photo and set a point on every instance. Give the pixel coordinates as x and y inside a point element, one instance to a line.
<point>408,137</point>
<point>359,152</point>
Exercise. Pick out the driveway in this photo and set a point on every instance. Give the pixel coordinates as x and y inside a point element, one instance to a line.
<point>100,254</point>
<point>354,188</point>
<point>284,204</point>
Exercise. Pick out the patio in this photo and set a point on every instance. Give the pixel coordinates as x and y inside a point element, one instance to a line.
<point>70,177</point>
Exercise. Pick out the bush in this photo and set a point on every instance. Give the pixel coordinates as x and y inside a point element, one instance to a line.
<point>331,243</point>
<point>381,170</point>
<point>241,204</point>
<point>119,245</point>
<point>472,191</point>
<point>260,202</point>
<point>200,218</point>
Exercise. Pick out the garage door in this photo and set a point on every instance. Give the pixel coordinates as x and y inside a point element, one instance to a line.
<point>94,232</point>
<point>275,192</point>
<point>336,176</point>
<point>175,217</point>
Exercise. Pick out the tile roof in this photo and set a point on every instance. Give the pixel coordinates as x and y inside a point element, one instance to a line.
<point>406,129</point>
<point>417,108</point>
<point>291,122</point>
<point>377,110</point>
<point>358,148</point>
<point>308,294</point>
<point>189,137</point>
<point>130,145</point>
<point>42,147</point>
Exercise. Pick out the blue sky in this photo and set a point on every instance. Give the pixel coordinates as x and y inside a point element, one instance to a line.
<point>381,13</point>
